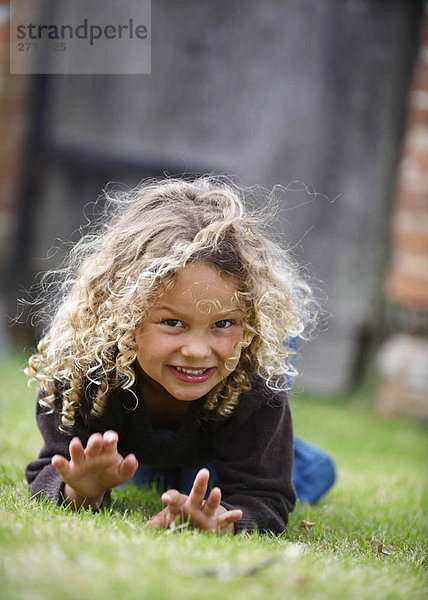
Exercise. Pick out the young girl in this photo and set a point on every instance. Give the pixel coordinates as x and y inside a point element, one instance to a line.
<point>166,349</point>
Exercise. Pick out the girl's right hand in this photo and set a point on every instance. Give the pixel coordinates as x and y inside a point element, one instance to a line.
<point>93,470</point>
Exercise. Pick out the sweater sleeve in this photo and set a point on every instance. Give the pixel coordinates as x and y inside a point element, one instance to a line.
<point>254,466</point>
<point>42,477</point>
<point>44,480</point>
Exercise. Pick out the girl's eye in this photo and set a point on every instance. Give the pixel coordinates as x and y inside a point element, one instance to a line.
<point>172,322</point>
<point>223,324</point>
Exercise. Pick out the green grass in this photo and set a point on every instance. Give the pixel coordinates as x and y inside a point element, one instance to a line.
<point>50,553</point>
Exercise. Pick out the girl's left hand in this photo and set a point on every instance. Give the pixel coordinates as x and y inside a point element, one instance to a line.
<point>203,514</point>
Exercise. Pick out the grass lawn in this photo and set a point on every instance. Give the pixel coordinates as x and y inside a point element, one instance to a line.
<point>368,539</point>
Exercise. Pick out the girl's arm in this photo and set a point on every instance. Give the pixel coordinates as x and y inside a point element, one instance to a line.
<point>254,461</point>
<point>62,466</point>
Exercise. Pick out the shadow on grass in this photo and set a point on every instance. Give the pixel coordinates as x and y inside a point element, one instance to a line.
<point>141,499</point>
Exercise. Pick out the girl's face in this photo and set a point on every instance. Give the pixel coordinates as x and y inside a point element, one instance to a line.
<point>188,335</point>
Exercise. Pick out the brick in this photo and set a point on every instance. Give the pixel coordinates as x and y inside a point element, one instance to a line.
<point>420,80</point>
<point>417,139</point>
<point>414,162</point>
<point>411,199</point>
<point>414,182</point>
<point>410,241</point>
<point>415,265</point>
<point>407,290</point>
<point>413,220</point>
<point>417,116</point>
<point>5,34</point>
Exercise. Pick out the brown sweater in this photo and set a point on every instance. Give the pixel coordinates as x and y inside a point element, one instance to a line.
<point>251,451</point>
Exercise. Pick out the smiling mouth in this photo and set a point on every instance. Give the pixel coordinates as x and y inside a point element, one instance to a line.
<point>188,375</point>
<point>192,371</point>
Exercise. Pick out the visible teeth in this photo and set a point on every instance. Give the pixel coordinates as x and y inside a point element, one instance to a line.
<point>191,371</point>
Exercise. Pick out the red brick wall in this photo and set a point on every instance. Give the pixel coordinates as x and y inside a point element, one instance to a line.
<point>407,277</point>
<point>403,358</point>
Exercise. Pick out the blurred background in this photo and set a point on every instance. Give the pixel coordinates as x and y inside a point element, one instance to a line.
<point>328,98</point>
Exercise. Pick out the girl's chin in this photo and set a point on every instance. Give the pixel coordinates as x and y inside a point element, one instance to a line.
<point>190,395</point>
<point>187,395</point>
<point>180,399</point>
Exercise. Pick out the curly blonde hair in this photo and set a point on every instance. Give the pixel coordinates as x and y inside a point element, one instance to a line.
<point>116,271</point>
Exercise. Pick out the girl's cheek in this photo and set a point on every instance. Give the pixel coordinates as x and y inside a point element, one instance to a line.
<point>228,346</point>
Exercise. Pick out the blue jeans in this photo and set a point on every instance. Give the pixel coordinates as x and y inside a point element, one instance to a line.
<point>313,473</point>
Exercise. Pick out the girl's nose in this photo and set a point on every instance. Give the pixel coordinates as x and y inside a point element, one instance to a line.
<point>196,347</point>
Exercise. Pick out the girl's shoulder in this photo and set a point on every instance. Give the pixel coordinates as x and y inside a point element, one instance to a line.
<point>256,398</point>
<point>260,394</point>
<point>254,409</point>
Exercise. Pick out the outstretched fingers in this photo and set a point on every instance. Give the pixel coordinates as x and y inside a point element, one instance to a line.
<point>228,518</point>
<point>199,489</point>
<point>77,452</point>
<point>110,439</point>
<point>95,445</point>
<point>178,506</point>
<point>174,499</point>
<point>128,467</point>
<point>61,464</point>
<point>212,503</point>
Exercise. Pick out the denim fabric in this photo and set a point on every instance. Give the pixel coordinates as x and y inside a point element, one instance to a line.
<point>167,478</point>
<point>313,474</point>
<point>313,471</point>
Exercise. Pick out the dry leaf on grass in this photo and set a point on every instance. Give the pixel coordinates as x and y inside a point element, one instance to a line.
<point>381,548</point>
<point>306,524</point>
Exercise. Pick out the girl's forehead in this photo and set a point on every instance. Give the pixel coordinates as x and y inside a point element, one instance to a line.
<point>198,282</point>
